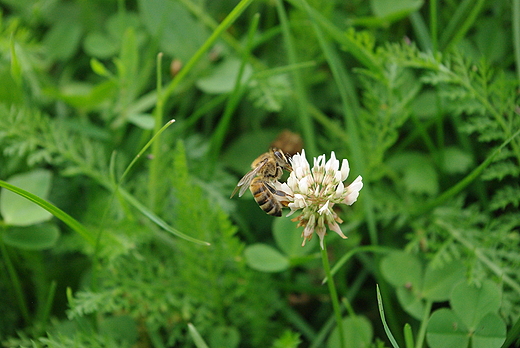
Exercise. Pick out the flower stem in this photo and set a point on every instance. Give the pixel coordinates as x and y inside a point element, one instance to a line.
<point>333,294</point>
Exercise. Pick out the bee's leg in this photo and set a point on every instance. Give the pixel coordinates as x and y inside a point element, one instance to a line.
<point>280,196</point>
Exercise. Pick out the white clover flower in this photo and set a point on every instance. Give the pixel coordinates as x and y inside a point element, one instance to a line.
<point>316,190</point>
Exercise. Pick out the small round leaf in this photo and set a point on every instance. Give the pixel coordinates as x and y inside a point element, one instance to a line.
<point>288,238</point>
<point>265,258</point>
<point>19,211</point>
<point>472,303</point>
<point>440,281</point>
<point>35,237</point>
<point>357,331</point>
<point>490,332</point>
<point>445,329</point>
<point>402,269</point>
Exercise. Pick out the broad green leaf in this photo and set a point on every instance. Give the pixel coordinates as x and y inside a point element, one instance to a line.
<point>129,56</point>
<point>490,332</point>
<point>60,214</point>
<point>357,331</point>
<point>119,23</point>
<point>456,161</point>
<point>86,96</point>
<point>402,270</point>
<point>472,303</point>
<point>120,328</point>
<point>62,40</point>
<point>411,302</point>
<point>288,238</point>
<point>222,78</point>
<point>179,34</point>
<point>10,91</point>
<point>445,329</point>
<point>265,258</point>
<point>491,39</point>
<point>439,282</point>
<point>418,172</point>
<point>18,211</point>
<point>247,148</point>
<point>100,45</point>
<point>144,121</point>
<point>426,105</point>
<point>224,336</point>
<point>35,237</point>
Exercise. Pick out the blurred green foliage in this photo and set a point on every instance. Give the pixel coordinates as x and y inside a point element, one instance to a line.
<point>149,251</point>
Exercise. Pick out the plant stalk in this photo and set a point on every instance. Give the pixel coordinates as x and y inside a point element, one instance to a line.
<point>333,294</point>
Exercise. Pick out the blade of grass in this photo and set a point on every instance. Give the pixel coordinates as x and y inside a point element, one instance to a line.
<point>383,320</point>
<point>421,31</point>
<point>461,22</point>
<point>515,4</point>
<point>221,28</point>
<point>408,336</point>
<point>148,144</point>
<point>236,95</point>
<point>45,314</point>
<point>162,96</point>
<point>197,338</point>
<point>434,34</point>
<point>457,188</point>
<point>304,116</point>
<point>57,212</point>
<point>15,281</point>
<point>157,220</point>
<point>117,189</point>
<point>361,53</point>
<point>283,69</point>
<point>158,114</point>
<point>350,104</point>
<point>513,334</point>
<point>201,13</point>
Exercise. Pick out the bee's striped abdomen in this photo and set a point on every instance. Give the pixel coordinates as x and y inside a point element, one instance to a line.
<point>263,194</point>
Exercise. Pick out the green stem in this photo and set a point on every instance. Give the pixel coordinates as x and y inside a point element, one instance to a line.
<point>15,281</point>
<point>454,190</point>
<point>424,322</point>
<point>156,148</point>
<point>333,294</point>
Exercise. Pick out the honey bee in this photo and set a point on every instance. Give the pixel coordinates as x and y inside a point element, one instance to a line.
<point>266,170</point>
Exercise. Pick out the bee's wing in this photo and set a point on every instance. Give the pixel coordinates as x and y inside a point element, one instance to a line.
<point>244,183</point>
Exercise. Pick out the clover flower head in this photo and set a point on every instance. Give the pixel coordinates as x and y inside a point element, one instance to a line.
<point>315,191</point>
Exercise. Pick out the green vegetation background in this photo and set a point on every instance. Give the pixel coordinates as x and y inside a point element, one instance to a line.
<point>138,243</point>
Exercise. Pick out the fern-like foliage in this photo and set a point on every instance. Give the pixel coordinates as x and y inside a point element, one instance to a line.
<point>487,246</point>
<point>487,102</point>
<point>165,284</point>
<point>30,134</point>
<point>480,231</point>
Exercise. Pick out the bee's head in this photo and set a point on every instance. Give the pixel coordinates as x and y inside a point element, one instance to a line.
<point>282,159</point>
